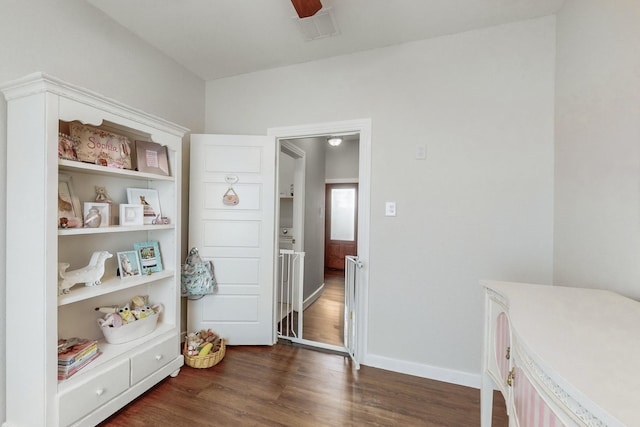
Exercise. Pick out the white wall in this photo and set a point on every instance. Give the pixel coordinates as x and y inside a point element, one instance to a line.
<point>286,169</point>
<point>342,161</point>
<point>597,189</point>
<point>71,40</point>
<point>480,206</point>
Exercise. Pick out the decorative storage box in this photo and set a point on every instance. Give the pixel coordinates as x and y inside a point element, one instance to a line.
<point>101,147</point>
<point>132,330</point>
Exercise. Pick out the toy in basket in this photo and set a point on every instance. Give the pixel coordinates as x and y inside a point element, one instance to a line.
<point>203,349</point>
<point>122,324</point>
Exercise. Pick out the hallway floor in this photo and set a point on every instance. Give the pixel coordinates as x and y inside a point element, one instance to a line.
<point>323,321</point>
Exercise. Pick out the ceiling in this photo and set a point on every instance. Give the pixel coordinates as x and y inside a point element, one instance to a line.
<point>222,38</point>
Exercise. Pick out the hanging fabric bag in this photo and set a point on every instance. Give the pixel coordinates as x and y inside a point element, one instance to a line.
<point>198,278</point>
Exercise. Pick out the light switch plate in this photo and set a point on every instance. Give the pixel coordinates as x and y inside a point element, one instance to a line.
<point>390,209</point>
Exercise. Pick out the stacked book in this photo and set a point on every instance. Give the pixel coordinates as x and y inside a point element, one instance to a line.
<point>74,354</point>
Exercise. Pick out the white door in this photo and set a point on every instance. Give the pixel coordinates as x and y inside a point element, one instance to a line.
<point>239,239</point>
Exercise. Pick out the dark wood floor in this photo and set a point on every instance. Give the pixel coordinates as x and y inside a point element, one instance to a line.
<point>323,320</point>
<point>288,385</point>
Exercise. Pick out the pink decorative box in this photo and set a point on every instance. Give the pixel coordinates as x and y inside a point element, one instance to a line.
<point>101,147</point>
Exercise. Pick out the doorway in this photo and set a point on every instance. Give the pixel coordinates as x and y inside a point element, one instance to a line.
<point>328,230</point>
<point>312,139</point>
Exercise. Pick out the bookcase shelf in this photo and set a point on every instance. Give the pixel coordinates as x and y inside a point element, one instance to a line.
<point>39,107</point>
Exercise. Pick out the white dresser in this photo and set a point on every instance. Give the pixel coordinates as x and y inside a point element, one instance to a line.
<point>561,356</point>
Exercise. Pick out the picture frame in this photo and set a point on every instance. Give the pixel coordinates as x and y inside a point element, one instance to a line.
<point>103,208</point>
<point>131,215</point>
<point>69,212</point>
<point>150,256</point>
<point>152,157</point>
<point>150,201</point>
<point>129,264</point>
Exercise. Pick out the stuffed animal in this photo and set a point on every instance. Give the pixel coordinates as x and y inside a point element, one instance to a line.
<point>141,308</point>
<point>126,314</point>
<point>112,320</point>
<point>102,195</point>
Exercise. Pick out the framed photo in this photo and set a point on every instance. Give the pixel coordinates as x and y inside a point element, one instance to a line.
<point>131,214</point>
<point>103,209</point>
<point>150,259</point>
<point>129,264</point>
<point>149,200</point>
<point>69,212</point>
<point>152,157</point>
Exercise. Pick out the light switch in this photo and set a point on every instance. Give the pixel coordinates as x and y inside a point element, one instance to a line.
<point>421,152</point>
<point>390,209</point>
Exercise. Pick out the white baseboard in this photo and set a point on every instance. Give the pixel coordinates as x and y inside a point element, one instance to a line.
<point>424,371</point>
<point>313,297</point>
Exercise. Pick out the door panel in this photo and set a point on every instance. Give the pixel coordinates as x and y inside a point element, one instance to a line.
<point>341,237</point>
<point>239,239</point>
<point>231,234</point>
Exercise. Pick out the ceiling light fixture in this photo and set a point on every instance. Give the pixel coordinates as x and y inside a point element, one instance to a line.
<point>334,141</point>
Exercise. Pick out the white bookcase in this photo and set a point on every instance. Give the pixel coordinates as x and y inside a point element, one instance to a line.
<point>38,107</point>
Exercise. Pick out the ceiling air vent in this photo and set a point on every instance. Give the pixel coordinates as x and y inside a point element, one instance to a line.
<point>318,26</point>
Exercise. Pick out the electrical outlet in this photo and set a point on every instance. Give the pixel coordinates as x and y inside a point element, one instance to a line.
<point>421,152</point>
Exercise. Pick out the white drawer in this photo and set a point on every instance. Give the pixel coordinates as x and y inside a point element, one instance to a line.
<point>150,360</point>
<point>100,389</point>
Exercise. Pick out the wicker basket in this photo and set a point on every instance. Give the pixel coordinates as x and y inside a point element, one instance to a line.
<point>207,361</point>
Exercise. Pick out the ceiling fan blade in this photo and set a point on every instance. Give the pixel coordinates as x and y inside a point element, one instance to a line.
<point>306,8</point>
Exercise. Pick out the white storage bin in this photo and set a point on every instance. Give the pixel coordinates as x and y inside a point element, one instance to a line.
<point>133,330</point>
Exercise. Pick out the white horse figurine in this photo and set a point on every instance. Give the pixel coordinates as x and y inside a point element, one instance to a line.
<point>90,275</point>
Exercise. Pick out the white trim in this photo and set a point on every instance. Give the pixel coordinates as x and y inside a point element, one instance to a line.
<point>424,371</point>
<point>363,128</point>
<point>341,181</point>
<point>291,149</point>
<point>313,297</point>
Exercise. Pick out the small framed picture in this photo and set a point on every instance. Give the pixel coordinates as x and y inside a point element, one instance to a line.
<point>150,201</point>
<point>150,259</point>
<point>129,264</point>
<point>131,214</point>
<point>91,219</point>
<point>152,157</point>
<point>69,212</point>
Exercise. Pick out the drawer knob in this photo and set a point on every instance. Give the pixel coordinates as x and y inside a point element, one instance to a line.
<point>159,357</point>
<point>100,392</point>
